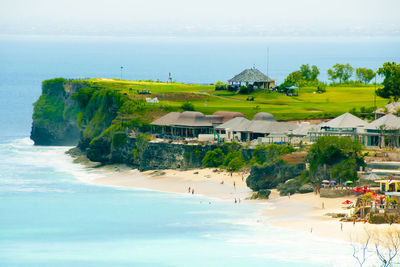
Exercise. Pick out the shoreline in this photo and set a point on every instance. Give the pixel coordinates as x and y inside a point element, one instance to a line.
<point>300,212</point>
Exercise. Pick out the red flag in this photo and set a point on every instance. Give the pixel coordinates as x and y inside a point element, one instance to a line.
<point>390,181</point>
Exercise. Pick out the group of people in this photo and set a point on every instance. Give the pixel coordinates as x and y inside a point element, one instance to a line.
<point>191,190</point>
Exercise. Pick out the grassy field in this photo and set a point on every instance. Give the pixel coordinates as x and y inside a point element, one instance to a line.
<point>335,101</point>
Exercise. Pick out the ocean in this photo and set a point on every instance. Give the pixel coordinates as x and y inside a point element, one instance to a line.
<point>51,217</point>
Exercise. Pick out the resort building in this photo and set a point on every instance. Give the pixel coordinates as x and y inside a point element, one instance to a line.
<point>392,108</point>
<point>383,132</point>
<point>253,77</point>
<point>262,126</point>
<point>191,124</point>
<point>390,188</point>
<point>345,125</point>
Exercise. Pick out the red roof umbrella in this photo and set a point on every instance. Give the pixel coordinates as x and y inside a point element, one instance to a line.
<point>358,190</point>
<point>347,202</point>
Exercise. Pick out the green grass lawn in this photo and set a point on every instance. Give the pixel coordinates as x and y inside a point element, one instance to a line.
<point>335,101</point>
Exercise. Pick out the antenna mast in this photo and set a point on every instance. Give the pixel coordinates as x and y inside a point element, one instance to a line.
<point>267,61</point>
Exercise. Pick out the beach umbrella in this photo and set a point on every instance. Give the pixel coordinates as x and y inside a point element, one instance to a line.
<point>358,190</point>
<point>349,182</point>
<point>347,202</point>
<point>332,182</point>
<point>325,181</point>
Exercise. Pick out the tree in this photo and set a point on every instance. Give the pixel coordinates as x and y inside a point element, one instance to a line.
<point>309,74</point>
<point>314,72</point>
<point>391,81</point>
<point>305,71</point>
<point>333,156</point>
<point>235,164</point>
<point>293,78</point>
<point>187,106</point>
<point>213,158</point>
<point>341,72</point>
<point>365,75</point>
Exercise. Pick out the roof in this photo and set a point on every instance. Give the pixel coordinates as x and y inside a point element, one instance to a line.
<point>389,121</point>
<point>251,76</point>
<point>302,129</point>
<point>186,118</point>
<point>238,124</point>
<point>228,115</point>
<point>167,120</point>
<point>192,118</point>
<point>345,120</point>
<point>372,177</point>
<point>271,127</point>
<point>264,116</point>
<point>389,108</point>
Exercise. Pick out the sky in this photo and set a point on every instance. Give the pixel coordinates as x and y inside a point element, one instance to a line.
<point>201,17</point>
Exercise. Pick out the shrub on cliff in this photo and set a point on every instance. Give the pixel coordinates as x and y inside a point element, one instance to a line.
<point>213,158</point>
<point>187,106</point>
<point>291,186</point>
<point>236,164</point>
<point>262,194</point>
<point>269,176</point>
<point>270,153</point>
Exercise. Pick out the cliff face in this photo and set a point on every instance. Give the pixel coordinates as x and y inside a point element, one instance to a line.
<point>55,113</point>
<point>145,155</point>
<point>100,121</point>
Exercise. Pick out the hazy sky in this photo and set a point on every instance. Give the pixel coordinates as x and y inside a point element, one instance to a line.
<point>201,17</point>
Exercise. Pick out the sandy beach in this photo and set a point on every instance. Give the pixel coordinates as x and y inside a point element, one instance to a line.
<point>302,212</point>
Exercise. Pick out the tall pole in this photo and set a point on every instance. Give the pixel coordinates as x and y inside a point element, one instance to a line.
<point>121,72</point>
<point>375,99</point>
<point>268,65</point>
<point>267,60</point>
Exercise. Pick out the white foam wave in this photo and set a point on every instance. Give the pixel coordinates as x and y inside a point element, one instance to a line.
<point>23,152</point>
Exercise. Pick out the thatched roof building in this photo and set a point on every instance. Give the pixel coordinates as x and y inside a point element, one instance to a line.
<point>264,116</point>
<point>167,120</point>
<point>193,119</point>
<point>228,115</point>
<point>388,122</point>
<point>255,77</point>
<point>344,121</point>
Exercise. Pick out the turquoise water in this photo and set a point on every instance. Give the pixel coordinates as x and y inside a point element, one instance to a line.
<point>49,217</point>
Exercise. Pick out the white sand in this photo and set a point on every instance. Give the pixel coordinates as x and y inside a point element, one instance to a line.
<point>301,212</point>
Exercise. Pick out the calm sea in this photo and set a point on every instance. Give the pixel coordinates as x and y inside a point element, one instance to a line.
<point>50,218</point>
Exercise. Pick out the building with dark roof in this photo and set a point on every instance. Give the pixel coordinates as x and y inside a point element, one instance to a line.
<point>254,77</point>
<point>192,123</point>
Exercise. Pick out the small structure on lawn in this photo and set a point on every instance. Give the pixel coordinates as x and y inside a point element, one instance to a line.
<point>292,91</point>
<point>253,77</point>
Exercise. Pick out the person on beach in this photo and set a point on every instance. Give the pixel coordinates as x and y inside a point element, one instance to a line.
<point>222,182</point>
<point>189,190</point>
<point>323,205</point>
<point>288,195</point>
<point>341,227</point>
<point>192,191</point>
<point>234,185</point>
<point>242,177</point>
<point>235,200</point>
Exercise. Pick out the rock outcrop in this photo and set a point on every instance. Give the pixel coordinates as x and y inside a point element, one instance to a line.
<point>55,114</point>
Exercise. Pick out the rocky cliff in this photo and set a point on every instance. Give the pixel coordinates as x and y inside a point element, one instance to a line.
<point>55,114</point>
<point>100,121</point>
